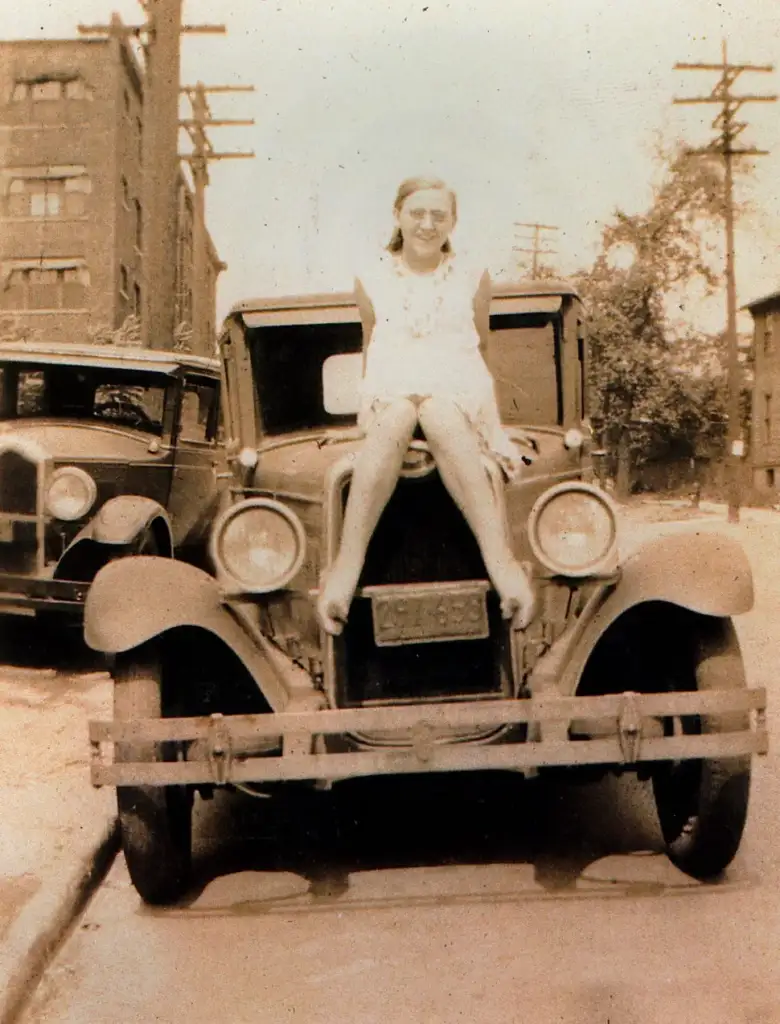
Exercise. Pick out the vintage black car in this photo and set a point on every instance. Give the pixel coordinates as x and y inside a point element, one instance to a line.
<point>226,680</point>
<point>104,451</point>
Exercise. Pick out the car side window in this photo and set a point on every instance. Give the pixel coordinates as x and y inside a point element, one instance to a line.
<point>198,415</point>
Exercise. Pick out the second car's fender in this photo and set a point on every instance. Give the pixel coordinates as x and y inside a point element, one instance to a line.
<point>708,573</point>
<point>123,519</point>
<point>120,524</point>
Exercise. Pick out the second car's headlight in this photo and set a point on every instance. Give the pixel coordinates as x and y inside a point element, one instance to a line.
<point>259,544</point>
<point>71,493</point>
<point>572,530</point>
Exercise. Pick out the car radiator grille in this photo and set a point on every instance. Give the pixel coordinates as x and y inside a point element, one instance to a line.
<point>422,537</point>
<point>18,505</point>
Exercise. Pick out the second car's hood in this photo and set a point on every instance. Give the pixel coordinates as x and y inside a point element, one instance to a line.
<point>65,440</point>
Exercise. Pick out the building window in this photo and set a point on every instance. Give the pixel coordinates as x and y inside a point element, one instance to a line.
<point>48,89</point>
<point>56,87</point>
<point>139,138</point>
<point>137,299</point>
<point>768,332</point>
<point>77,89</point>
<point>48,196</point>
<point>125,193</point>
<point>124,282</point>
<point>45,284</point>
<point>45,201</point>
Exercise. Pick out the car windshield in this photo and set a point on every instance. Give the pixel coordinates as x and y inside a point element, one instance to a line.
<point>116,396</point>
<point>308,375</point>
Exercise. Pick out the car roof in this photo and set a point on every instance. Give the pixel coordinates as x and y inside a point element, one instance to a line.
<point>773,299</point>
<point>116,356</point>
<point>544,296</point>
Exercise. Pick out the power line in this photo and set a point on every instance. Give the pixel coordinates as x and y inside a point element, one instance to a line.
<point>536,248</point>
<point>199,158</point>
<point>728,130</point>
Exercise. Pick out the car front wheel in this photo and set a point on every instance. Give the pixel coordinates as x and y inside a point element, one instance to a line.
<point>702,804</point>
<point>155,821</point>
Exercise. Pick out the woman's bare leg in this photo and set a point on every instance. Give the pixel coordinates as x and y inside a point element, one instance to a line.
<point>459,460</point>
<point>373,481</point>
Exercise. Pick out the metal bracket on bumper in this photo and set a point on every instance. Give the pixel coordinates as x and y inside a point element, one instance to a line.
<point>628,729</point>
<point>35,593</point>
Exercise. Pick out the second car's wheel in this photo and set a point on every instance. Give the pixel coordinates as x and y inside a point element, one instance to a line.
<point>155,821</point>
<point>702,805</point>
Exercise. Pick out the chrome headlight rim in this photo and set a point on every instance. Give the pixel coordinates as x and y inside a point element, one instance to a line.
<point>235,511</point>
<point>605,564</point>
<point>90,498</point>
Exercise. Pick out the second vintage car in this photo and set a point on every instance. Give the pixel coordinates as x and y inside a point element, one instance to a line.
<point>632,663</point>
<point>105,451</point>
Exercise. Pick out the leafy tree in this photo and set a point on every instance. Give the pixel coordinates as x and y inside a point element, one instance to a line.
<point>651,383</point>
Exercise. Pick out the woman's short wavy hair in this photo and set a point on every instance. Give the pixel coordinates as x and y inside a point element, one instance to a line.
<point>407,188</point>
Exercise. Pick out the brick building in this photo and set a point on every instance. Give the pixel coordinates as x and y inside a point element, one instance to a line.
<point>71,247</point>
<point>765,431</point>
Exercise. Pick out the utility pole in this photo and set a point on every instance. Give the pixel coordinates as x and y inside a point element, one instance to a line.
<point>729,129</point>
<point>535,248</point>
<point>161,39</point>
<point>198,159</point>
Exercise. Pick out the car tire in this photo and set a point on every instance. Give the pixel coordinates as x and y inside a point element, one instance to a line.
<point>155,822</point>
<point>702,804</point>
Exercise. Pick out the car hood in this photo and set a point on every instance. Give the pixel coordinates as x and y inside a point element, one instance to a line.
<point>298,464</point>
<point>83,442</point>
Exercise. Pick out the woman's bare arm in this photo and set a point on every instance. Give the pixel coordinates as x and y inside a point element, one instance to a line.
<point>482,310</point>
<point>367,317</point>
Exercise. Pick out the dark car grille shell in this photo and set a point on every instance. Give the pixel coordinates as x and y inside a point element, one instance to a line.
<point>421,537</point>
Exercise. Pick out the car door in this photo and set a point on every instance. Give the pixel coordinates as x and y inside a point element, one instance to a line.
<point>195,486</point>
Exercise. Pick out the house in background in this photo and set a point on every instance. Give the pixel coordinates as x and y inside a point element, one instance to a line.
<point>71,245</point>
<point>765,430</point>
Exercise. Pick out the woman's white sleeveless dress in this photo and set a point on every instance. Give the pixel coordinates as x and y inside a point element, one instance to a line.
<point>425,344</point>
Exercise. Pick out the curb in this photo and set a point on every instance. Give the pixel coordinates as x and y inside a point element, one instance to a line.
<point>44,924</point>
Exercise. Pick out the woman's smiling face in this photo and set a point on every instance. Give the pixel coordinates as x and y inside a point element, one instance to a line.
<point>426,219</point>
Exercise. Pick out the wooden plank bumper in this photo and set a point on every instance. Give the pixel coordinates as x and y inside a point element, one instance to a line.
<point>290,746</point>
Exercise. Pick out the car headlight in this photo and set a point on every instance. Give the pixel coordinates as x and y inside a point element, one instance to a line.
<point>572,530</point>
<point>259,545</point>
<point>71,493</point>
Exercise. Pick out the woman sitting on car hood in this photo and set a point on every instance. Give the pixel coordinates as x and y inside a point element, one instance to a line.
<point>425,314</point>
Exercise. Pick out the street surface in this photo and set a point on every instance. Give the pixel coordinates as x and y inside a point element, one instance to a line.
<point>448,900</point>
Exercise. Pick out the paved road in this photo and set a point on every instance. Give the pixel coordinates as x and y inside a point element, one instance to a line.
<point>450,900</point>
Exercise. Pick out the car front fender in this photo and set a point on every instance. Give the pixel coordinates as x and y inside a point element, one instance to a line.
<point>704,572</point>
<point>121,520</point>
<point>115,528</point>
<point>135,599</point>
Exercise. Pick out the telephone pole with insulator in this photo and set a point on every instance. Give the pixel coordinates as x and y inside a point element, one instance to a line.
<point>201,154</point>
<point>535,248</point>
<point>160,38</point>
<point>729,129</point>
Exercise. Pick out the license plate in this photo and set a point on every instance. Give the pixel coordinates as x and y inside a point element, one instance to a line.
<point>426,613</point>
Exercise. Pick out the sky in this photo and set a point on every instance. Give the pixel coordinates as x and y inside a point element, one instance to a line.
<point>533,111</point>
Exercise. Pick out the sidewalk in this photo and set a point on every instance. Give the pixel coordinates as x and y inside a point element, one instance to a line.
<point>660,510</point>
<point>57,833</point>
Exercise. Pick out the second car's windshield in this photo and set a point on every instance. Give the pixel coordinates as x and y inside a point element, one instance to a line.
<point>97,394</point>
